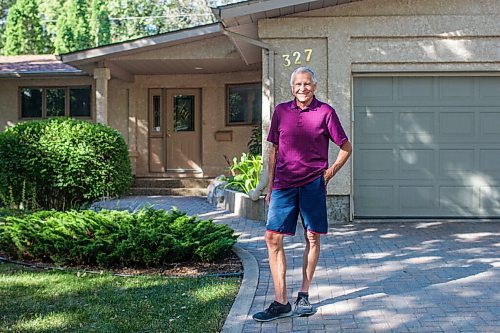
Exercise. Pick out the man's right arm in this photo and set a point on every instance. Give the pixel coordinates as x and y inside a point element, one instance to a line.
<point>272,164</point>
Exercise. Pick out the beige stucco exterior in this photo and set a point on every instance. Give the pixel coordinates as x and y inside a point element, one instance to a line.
<point>383,37</point>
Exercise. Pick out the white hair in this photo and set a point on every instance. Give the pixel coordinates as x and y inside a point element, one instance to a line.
<point>303,70</point>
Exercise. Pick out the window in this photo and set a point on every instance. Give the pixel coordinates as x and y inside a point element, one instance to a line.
<point>55,102</point>
<point>244,104</point>
<point>183,113</point>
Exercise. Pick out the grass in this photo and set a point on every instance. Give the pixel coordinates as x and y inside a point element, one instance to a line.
<point>32,300</point>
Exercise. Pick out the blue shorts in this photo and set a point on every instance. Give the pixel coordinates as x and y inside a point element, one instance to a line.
<point>308,200</point>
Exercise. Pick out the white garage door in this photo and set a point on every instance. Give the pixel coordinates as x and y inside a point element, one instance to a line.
<point>427,146</point>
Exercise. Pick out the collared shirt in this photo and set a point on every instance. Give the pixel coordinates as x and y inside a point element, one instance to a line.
<point>302,137</point>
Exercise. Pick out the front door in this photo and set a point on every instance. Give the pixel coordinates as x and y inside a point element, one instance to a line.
<point>183,151</point>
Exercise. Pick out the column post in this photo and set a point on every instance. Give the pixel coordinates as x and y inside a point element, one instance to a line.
<point>101,76</point>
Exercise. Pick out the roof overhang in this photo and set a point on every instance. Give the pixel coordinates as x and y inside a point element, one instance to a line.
<point>249,12</point>
<point>141,44</point>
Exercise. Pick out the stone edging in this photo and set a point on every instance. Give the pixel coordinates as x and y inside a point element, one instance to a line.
<point>241,307</point>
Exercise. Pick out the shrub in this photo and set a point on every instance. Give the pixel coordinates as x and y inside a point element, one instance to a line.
<point>255,142</point>
<point>146,238</point>
<point>61,163</point>
<point>246,173</point>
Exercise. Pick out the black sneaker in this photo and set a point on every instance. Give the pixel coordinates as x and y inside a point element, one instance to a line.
<point>302,306</point>
<point>274,311</point>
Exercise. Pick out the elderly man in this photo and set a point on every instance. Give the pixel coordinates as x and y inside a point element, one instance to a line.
<point>298,174</point>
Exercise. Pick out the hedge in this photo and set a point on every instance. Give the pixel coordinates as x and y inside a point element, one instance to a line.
<point>146,238</point>
<point>62,163</point>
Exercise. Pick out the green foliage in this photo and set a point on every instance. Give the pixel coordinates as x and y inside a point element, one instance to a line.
<point>247,172</point>
<point>23,31</point>
<point>114,238</point>
<point>255,143</point>
<point>62,163</point>
<point>73,29</point>
<point>100,23</point>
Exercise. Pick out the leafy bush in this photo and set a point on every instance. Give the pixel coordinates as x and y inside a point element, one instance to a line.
<point>246,173</point>
<point>114,238</point>
<point>255,142</point>
<point>61,163</point>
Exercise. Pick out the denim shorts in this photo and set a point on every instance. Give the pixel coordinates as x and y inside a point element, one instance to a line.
<point>308,200</point>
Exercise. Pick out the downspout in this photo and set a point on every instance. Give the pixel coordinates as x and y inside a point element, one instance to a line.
<point>263,178</point>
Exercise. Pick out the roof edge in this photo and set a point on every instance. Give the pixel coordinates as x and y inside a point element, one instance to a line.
<point>91,55</point>
<point>252,7</point>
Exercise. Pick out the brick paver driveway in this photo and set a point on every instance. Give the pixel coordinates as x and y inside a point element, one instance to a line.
<point>378,277</point>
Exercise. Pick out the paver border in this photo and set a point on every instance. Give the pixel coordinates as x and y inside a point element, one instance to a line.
<point>238,314</point>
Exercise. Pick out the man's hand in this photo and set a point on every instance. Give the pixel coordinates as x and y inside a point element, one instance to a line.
<point>329,173</point>
<point>268,197</point>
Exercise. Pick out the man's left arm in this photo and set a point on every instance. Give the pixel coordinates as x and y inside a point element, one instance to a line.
<point>342,157</point>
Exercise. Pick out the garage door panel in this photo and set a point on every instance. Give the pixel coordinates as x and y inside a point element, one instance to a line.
<point>489,161</point>
<point>373,90</point>
<point>376,162</point>
<point>419,162</point>
<point>489,89</point>
<point>489,197</point>
<point>490,124</point>
<point>456,160</point>
<point>452,89</point>
<point>415,122</point>
<point>430,149</point>
<point>415,89</point>
<point>416,197</point>
<point>376,197</point>
<point>456,123</point>
<point>456,198</point>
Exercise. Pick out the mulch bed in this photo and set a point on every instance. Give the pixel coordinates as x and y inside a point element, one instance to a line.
<point>230,266</point>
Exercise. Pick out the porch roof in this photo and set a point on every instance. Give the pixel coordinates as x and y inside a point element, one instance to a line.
<point>119,57</point>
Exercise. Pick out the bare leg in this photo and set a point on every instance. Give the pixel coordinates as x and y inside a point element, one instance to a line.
<point>311,255</point>
<point>277,263</point>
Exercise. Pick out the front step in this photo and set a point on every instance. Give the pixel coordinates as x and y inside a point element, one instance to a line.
<point>170,186</point>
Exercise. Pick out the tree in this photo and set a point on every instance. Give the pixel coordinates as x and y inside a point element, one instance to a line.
<point>50,10</point>
<point>100,23</point>
<point>4,9</point>
<point>73,32</point>
<point>23,31</point>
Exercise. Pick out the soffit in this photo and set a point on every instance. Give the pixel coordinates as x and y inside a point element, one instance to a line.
<point>250,12</point>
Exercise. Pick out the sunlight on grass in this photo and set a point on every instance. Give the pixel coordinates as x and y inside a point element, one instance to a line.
<point>53,301</point>
<point>48,322</point>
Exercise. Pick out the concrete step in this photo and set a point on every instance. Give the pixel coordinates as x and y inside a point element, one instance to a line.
<point>169,191</point>
<point>171,182</point>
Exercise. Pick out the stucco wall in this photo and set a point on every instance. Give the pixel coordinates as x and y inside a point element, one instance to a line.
<point>213,92</point>
<point>382,36</point>
<point>9,100</point>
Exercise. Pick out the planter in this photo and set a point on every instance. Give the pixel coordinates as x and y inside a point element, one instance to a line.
<point>242,205</point>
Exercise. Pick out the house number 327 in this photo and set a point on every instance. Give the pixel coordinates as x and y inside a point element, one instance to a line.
<point>296,57</point>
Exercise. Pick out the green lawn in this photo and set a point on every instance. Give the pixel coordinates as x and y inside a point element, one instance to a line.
<point>32,300</point>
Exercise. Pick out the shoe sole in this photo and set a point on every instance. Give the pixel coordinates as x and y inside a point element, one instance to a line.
<point>283,315</point>
<point>304,314</point>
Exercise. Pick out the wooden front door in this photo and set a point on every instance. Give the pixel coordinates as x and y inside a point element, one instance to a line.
<point>183,146</point>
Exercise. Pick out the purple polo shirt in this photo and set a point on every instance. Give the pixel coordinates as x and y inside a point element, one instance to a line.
<point>303,137</point>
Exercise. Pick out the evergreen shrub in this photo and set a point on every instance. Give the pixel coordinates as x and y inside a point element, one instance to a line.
<point>61,163</point>
<point>146,238</point>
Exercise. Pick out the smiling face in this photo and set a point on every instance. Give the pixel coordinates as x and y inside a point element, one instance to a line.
<point>303,89</point>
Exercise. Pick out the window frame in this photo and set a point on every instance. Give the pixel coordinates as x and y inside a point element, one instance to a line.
<point>67,111</point>
<point>230,85</point>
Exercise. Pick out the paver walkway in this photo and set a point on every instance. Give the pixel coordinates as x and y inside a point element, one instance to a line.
<point>377,277</point>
